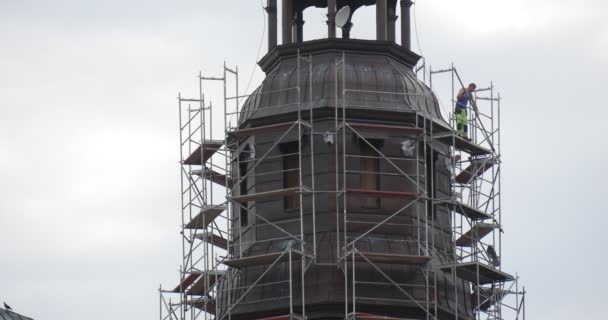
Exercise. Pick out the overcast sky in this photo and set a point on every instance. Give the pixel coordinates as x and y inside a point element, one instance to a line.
<point>89,177</point>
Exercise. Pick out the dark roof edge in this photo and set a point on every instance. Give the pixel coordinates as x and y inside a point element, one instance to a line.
<point>357,115</point>
<point>4,313</point>
<point>388,48</point>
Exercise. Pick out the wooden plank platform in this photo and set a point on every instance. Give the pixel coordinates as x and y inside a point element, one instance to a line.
<point>269,128</point>
<point>475,234</point>
<point>284,317</point>
<point>389,258</point>
<point>368,316</point>
<point>466,210</point>
<point>410,131</point>
<point>469,272</point>
<point>462,144</point>
<point>267,195</point>
<point>204,283</point>
<point>206,304</point>
<point>383,194</point>
<point>210,175</point>
<point>205,217</point>
<point>188,280</point>
<point>213,239</point>
<point>385,228</point>
<point>475,169</point>
<point>259,260</point>
<point>210,147</point>
<point>488,297</point>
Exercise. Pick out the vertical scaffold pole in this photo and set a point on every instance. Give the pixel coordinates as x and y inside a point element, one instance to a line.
<point>344,192</point>
<point>312,159</point>
<point>290,285</point>
<point>498,107</point>
<point>337,163</point>
<point>516,296</point>
<point>229,205</point>
<point>301,195</point>
<point>354,284</point>
<point>181,175</point>
<point>160,302</point>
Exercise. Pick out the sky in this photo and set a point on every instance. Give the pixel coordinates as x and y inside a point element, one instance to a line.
<point>89,174</point>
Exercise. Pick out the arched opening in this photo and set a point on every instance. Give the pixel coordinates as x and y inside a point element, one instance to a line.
<point>315,23</point>
<point>369,20</point>
<point>364,23</point>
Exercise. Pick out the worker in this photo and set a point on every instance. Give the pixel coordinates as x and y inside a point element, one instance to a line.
<point>462,102</point>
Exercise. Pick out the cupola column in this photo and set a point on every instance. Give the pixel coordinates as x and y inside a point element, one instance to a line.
<point>331,18</point>
<point>299,26</point>
<point>271,9</point>
<point>406,39</point>
<point>381,20</point>
<point>287,21</point>
<point>392,19</point>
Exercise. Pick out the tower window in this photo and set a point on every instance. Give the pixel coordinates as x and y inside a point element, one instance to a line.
<point>431,181</point>
<point>370,171</point>
<point>291,173</point>
<point>243,187</point>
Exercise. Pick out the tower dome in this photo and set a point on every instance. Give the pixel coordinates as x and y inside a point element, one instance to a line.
<point>372,70</point>
<point>370,87</point>
<point>337,189</point>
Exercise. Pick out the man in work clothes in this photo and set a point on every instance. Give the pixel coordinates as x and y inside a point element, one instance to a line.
<point>462,102</point>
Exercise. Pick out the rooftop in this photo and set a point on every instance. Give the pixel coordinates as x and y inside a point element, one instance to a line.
<point>10,315</point>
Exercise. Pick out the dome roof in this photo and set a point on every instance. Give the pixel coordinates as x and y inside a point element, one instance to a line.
<point>378,77</point>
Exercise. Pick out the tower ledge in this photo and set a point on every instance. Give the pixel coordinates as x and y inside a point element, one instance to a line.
<point>388,48</point>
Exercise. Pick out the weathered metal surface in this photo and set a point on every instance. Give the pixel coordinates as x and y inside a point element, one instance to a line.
<point>370,68</point>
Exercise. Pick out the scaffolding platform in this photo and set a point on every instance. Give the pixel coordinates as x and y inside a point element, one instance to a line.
<point>475,234</point>
<point>409,131</point>
<point>269,128</point>
<point>206,304</point>
<point>210,147</point>
<point>475,169</point>
<point>470,271</point>
<point>488,297</point>
<point>284,317</point>
<point>259,260</point>
<point>390,258</point>
<point>213,239</point>
<point>267,195</point>
<point>188,280</point>
<point>383,194</point>
<point>205,217</point>
<point>368,316</point>
<point>210,175</point>
<point>384,228</point>
<point>466,210</point>
<point>204,283</point>
<point>452,139</point>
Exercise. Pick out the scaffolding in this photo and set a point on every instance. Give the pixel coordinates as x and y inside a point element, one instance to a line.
<point>404,166</point>
<point>475,204</point>
<point>218,172</point>
<point>204,219</point>
<point>245,161</point>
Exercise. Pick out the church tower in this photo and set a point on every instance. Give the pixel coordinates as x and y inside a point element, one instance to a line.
<point>346,193</point>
